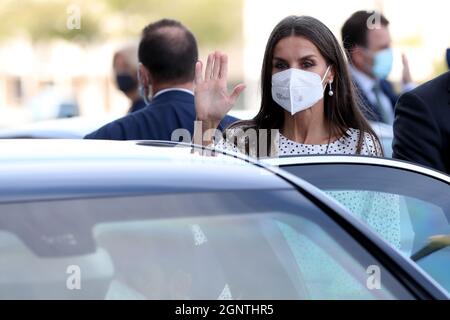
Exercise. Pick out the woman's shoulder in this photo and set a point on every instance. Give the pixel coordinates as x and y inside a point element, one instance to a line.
<point>370,143</point>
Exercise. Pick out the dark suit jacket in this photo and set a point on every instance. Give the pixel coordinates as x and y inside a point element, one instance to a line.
<point>137,105</point>
<point>167,112</point>
<point>371,112</point>
<point>422,125</point>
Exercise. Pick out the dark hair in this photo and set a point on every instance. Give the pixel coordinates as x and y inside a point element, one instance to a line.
<point>169,51</point>
<point>342,111</point>
<point>355,29</point>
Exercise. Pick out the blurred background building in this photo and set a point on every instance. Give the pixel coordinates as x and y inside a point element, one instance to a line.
<point>56,55</point>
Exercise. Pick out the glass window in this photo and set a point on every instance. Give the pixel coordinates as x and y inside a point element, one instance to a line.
<point>225,245</point>
<point>407,209</point>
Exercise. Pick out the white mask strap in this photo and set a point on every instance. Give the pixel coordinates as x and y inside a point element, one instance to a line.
<point>326,73</point>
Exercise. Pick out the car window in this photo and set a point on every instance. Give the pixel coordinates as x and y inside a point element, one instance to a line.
<point>403,207</point>
<point>222,245</point>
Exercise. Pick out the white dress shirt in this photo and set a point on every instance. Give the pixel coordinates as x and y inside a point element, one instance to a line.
<point>367,85</point>
<point>172,89</point>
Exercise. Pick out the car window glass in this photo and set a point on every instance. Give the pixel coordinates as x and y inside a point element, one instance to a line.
<point>225,245</point>
<point>403,207</point>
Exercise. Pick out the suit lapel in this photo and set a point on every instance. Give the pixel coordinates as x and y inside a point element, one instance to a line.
<point>448,86</point>
<point>367,104</point>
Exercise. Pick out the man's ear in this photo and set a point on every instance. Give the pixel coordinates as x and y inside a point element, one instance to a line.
<point>358,57</point>
<point>144,76</point>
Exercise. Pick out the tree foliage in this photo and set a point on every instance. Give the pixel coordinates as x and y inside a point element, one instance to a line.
<point>212,21</point>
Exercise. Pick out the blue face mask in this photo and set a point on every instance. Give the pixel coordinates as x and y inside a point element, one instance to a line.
<point>382,63</point>
<point>142,91</point>
<point>143,94</point>
<point>448,58</point>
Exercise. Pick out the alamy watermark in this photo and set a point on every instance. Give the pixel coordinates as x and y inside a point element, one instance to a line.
<point>373,281</point>
<point>73,281</point>
<point>253,142</point>
<point>374,21</point>
<point>73,21</point>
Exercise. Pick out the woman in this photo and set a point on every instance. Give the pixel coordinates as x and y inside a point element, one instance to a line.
<point>301,61</point>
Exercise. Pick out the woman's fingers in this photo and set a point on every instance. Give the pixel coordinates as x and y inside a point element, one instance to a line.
<point>216,66</point>
<point>223,72</point>
<point>236,92</point>
<point>198,72</point>
<point>217,63</point>
<point>209,65</point>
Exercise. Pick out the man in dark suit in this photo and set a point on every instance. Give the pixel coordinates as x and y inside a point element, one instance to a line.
<point>167,54</point>
<point>422,125</point>
<point>367,42</point>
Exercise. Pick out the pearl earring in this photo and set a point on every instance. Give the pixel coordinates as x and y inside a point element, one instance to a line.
<point>330,92</point>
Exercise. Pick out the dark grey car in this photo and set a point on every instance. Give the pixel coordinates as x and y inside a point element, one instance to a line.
<point>127,220</point>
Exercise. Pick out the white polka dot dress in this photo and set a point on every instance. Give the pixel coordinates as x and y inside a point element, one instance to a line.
<point>347,144</point>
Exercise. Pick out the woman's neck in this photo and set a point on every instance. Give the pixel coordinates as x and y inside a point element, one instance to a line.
<point>307,127</point>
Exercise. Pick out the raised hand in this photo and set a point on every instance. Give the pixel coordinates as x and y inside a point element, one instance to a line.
<point>406,74</point>
<point>212,100</point>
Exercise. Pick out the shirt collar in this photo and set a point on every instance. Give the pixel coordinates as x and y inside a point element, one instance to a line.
<point>365,82</point>
<point>172,89</point>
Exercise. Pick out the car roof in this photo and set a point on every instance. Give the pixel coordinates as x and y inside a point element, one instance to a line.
<point>44,169</point>
<point>352,159</point>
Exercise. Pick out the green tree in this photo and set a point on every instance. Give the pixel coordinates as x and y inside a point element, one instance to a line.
<point>213,21</point>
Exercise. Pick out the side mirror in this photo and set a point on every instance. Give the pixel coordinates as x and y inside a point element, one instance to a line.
<point>435,243</point>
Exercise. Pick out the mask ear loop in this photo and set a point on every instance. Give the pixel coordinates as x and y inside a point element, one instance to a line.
<point>330,93</point>
<point>326,73</point>
<point>142,92</point>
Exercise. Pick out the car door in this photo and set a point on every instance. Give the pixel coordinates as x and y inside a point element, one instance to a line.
<point>407,205</point>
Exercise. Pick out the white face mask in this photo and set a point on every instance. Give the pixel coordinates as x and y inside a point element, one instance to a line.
<point>296,90</point>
